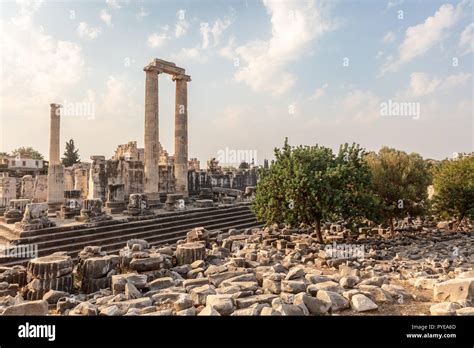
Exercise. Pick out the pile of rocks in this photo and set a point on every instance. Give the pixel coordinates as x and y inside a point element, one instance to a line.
<point>270,271</point>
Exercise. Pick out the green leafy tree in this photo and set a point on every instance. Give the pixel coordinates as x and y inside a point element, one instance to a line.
<point>71,155</point>
<point>309,184</point>
<point>400,182</point>
<point>453,183</point>
<point>27,152</point>
<point>244,165</point>
<point>2,154</point>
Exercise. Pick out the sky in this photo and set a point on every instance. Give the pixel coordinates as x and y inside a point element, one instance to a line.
<point>379,73</point>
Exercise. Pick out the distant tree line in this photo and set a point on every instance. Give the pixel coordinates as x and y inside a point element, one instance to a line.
<point>312,184</point>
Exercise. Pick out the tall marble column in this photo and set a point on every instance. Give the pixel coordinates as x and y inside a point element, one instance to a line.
<point>181,134</point>
<point>55,192</point>
<point>54,134</point>
<point>151,133</point>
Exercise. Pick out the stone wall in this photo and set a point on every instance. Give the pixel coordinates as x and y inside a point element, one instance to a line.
<point>7,190</point>
<point>235,180</point>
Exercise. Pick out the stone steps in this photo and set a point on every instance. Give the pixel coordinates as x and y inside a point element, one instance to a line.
<point>142,232</point>
<point>166,229</point>
<point>140,225</point>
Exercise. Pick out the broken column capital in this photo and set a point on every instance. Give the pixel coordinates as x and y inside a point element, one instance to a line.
<point>187,78</point>
<point>150,68</point>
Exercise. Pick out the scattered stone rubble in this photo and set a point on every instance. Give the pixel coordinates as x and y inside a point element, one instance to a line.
<point>270,271</point>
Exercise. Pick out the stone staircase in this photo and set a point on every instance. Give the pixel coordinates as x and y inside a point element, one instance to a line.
<point>166,228</point>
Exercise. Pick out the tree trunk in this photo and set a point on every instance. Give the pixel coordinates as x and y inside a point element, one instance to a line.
<point>318,231</point>
<point>392,228</point>
<point>458,223</point>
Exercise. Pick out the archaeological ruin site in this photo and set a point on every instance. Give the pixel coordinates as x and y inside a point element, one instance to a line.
<point>236,172</point>
<point>152,234</point>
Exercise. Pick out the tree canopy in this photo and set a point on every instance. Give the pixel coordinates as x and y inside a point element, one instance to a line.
<point>27,152</point>
<point>310,184</point>
<point>453,183</point>
<point>71,155</point>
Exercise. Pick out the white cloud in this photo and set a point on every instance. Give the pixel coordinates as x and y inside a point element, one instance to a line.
<point>116,96</point>
<point>420,38</point>
<point>25,86</point>
<point>294,26</point>
<point>181,25</point>
<point>114,4</point>
<point>193,53</point>
<point>156,40</point>
<point>28,7</point>
<point>379,55</point>
<point>389,37</point>
<point>142,14</point>
<point>87,32</point>
<point>215,31</point>
<point>422,84</point>
<point>360,106</point>
<point>394,3</point>
<point>319,92</point>
<point>466,42</point>
<point>228,51</point>
<point>106,17</point>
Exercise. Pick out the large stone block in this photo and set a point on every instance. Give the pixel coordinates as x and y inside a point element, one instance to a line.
<point>454,290</point>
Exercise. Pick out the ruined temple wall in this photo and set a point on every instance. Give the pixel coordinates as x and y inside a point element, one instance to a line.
<point>7,190</point>
<point>128,173</point>
<point>97,179</point>
<point>167,181</point>
<point>69,178</point>
<point>81,178</point>
<point>40,189</point>
<point>27,187</point>
<point>205,179</point>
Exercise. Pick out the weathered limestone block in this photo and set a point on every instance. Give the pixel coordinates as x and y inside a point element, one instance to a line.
<point>7,289</point>
<point>199,294</point>
<point>7,190</point>
<point>204,203</point>
<point>92,211</point>
<point>444,308</point>
<point>189,252</point>
<point>53,272</point>
<point>362,303</point>
<point>455,290</point>
<point>39,307</point>
<point>286,309</point>
<point>27,187</point>
<point>138,205</point>
<point>198,234</point>
<point>41,188</point>
<point>221,303</point>
<point>95,269</point>
<point>53,296</point>
<point>315,306</point>
<point>15,210</point>
<point>52,266</point>
<point>35,217</point>
<point>119,281</point>
<point>174,201</point>
<point>337,301</point>
<point>14,275</point>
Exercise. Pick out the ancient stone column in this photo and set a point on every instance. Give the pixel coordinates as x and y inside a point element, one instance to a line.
<point>55,193</point>
<point>54,134</point>
<point>181,134</point>
<point>151,133</point>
